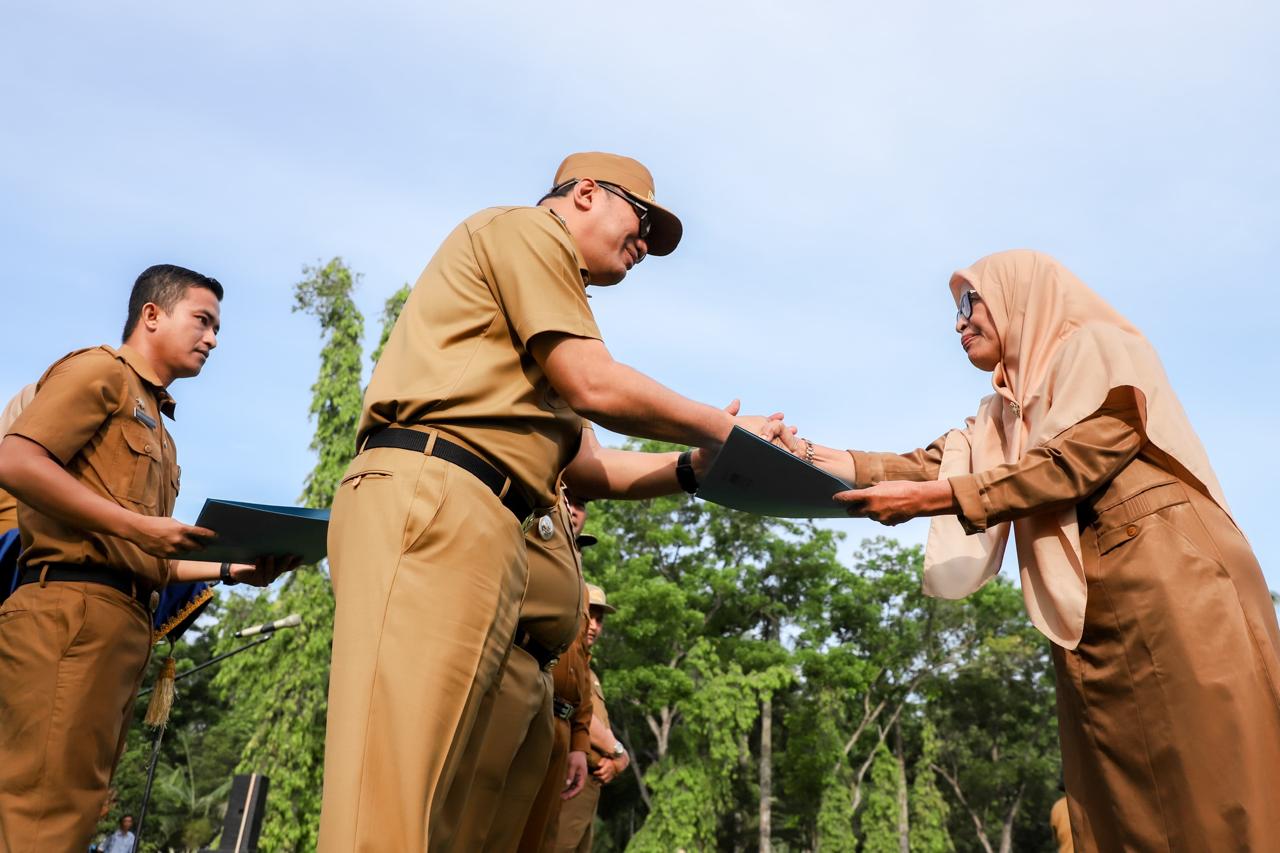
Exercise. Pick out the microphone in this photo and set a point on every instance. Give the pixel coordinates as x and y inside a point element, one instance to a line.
<point>293,620</point>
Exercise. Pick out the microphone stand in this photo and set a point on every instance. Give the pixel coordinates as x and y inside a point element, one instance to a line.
<point>155,746</point>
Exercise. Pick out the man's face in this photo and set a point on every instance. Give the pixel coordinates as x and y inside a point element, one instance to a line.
<point>126,824</point>
<point>577,515</point>
<point>187,335</point>
<point>609,238</point>
<point>595,625</point>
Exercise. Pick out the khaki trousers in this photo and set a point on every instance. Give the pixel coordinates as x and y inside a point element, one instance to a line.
<point>428,570</point>
<point>512,761</point>
<point>72,656</point>
<point>577,820</point>
<point>544,818</point>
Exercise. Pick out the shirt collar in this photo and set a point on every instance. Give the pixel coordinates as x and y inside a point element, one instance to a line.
<point>577,255</point>
<point>139,364</point>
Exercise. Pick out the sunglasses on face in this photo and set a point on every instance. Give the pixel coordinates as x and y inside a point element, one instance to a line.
<point>966,305</point>
<point>642,211</point>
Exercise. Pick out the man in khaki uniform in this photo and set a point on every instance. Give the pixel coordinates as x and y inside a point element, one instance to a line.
<point>95,473</point>
<point>473,412</point>
<point>607,756</point>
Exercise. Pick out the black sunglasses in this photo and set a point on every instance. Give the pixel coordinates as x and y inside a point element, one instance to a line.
<point>966,305</point>
<point>642,211</point>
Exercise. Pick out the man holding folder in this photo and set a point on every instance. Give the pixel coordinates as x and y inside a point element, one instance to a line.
<point>95,473</point>
<point>473,412</point>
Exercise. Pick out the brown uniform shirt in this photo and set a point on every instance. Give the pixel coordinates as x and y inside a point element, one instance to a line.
<point>599,710</point>
<point>571,682</point>
<point>98,412</point>
<point>8,503</point>
<point>458,358</point>
<point>1058,474</point>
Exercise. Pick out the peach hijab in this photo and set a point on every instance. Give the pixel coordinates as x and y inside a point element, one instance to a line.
<point>1064,350</point>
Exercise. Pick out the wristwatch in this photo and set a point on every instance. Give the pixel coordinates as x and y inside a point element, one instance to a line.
<point>224,574</point>
<point>618,749</point>
<point>684,472</point>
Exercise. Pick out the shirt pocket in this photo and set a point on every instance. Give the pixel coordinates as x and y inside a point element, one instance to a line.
<point>138,476</point>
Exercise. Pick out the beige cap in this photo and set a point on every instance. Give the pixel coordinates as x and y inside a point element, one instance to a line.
<point>635,179</point>
<point>595,598</point>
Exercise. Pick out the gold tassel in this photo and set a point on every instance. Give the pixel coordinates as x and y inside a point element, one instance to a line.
<point>162,697</point>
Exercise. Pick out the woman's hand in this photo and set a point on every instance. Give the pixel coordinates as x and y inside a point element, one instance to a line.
<point>895,501</point>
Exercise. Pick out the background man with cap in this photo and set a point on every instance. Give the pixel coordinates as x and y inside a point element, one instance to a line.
<point>472,415</point>
<point>607,756</point>
<point>95,472</point>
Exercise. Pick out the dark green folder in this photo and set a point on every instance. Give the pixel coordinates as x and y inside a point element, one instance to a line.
<point>753,475</point>
<point>247,531</point>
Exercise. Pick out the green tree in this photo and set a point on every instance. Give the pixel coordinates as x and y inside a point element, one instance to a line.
<point>279,692</point>
<point>390,313</point>
<point>880,815</point>
<point>997,737</point>
<point>929,809</point>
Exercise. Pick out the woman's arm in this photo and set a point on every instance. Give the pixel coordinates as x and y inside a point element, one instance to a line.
<point>1053,476</point>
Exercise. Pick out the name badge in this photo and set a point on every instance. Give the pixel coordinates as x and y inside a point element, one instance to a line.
<point>140,414</point>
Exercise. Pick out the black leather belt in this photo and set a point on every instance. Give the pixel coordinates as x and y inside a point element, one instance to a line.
<point>545,657</point>
<point>412,439</point>
<point>117,579</point>
<point>563,708</point>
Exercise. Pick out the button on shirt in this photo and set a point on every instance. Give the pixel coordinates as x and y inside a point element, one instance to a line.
<point>458,358</point>
<point>100,412</point>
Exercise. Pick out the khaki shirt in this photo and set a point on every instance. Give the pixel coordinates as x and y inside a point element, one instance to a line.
<point>600,711</point>
<point>553,595</point>
<point>458,358</point>
<point>98,412</point>
<point>8,503</point>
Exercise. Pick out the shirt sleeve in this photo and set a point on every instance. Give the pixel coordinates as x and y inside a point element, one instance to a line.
<point>1058,474</point>
<point>533,267</point>
<point>73,400</point>
<point>580,725</point>
<point>918,465</point>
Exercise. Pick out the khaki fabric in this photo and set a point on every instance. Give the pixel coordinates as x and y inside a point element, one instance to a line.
<point>514,753</point>
<point>1060,823</point>
<point>553,600</point>
<point>428,569</point>
<point>572,684</point>
<point>1169,707</point>
<point>602,713</point>
<point>98,411</point>
<point>543,824</point>
<point>72,656</point>
<point>458,358</point>
<point>577,820</point>
<point>512,760</point>
<point>8,503</point>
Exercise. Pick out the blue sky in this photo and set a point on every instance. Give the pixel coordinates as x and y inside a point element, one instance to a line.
<point>832,162</point>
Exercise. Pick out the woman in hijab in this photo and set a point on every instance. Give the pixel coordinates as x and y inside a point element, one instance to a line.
<point>1165,642</point>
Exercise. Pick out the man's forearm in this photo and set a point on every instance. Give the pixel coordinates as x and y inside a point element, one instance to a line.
<point>602,736</point>
<point>30,474</point>
<point>624,400</point>
<point>624,475</point>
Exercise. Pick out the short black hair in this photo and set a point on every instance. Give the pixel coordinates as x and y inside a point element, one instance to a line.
<point>165,285</point>
<point>560,190</point>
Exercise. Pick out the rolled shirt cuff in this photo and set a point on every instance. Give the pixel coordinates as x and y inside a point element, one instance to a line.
<point>868,469</point>
<point>973,506</point>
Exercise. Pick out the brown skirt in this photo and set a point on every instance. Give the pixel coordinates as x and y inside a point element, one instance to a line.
<point>1169,709</point>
